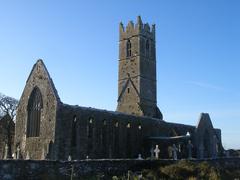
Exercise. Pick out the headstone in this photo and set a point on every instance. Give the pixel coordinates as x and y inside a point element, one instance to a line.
<point>27,156</point>
<point>139,157</point>
<point>152,152</point>
<point>189,147</point>
<point>69,158</point>
<point>156,151</point>
<point>174,150</point>
<point>6,152</point>
<point>18,152</point>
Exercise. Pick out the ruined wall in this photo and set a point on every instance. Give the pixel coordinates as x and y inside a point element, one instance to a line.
<point>93,133</point>
<point>104,134</point>
<point>37,146</point>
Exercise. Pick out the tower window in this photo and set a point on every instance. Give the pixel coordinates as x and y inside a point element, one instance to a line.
<point>35,106</point>
<point>128,90</point>
<point>147,48</point>
<point>129,48</point>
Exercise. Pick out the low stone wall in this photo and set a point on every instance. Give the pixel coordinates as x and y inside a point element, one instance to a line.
<point>59,170</point>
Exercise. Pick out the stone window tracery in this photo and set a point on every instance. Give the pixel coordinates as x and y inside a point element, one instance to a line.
<point>35,105</point>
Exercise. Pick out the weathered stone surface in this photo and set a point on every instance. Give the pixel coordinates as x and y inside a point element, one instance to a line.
<point>137,72</point>
<point>40,78</point>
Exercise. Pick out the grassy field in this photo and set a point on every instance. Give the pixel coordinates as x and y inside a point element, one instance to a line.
<point>184,170</point>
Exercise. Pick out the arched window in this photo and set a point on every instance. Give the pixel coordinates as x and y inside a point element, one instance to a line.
<point>116,139</point>
<point>90,135</point>
<point>74,131</point>
<point>147,48</point>
<point>35,106</point>
<point>129,48</point>
<point>128,141</point>
<point>104,139</point>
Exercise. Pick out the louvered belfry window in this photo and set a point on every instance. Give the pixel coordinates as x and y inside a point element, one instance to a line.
<point>35,106</point>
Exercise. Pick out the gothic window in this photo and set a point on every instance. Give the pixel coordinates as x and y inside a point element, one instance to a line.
<point>129,48</point>
<point>139,127</point>
<point>90,128</point>
<point>74,131</point>
<point>34,108</point>
<point>104,138</point>
<point>128,141</point>
<point>90,135</point>
<point>147,48</point>
<point>116,140</point>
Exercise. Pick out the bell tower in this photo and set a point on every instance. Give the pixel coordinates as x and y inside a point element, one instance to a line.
<point>137,70</point>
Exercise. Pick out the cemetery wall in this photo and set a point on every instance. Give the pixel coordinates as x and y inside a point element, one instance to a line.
<point>39,170</point>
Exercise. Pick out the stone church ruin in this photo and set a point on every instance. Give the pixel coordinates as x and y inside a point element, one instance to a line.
<point>47,128</point>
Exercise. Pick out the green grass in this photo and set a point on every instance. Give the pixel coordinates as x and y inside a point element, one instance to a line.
<point>185,170</point>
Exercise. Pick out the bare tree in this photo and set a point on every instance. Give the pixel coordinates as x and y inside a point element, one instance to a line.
<point>8,105</point>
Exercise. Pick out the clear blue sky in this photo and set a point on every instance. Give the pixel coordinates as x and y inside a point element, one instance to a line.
<point>198,53</point>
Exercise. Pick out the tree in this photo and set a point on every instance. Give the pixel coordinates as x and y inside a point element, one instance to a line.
<point>8,105</point>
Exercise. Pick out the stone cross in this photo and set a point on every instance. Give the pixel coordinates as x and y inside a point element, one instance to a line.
<point>18,152</point>
<point>152,152</point>
<point>174,150</point>
<point>27,156</point>
<point>189,147</point>
<point>6,152</point>
<point>156,151</point>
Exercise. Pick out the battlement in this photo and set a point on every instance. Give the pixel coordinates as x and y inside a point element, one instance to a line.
<point>133,29</point>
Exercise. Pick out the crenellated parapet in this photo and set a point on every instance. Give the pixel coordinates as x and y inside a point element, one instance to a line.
<point>135,29</point>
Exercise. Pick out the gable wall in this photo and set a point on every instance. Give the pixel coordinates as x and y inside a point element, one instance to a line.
<point>36,146</point>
